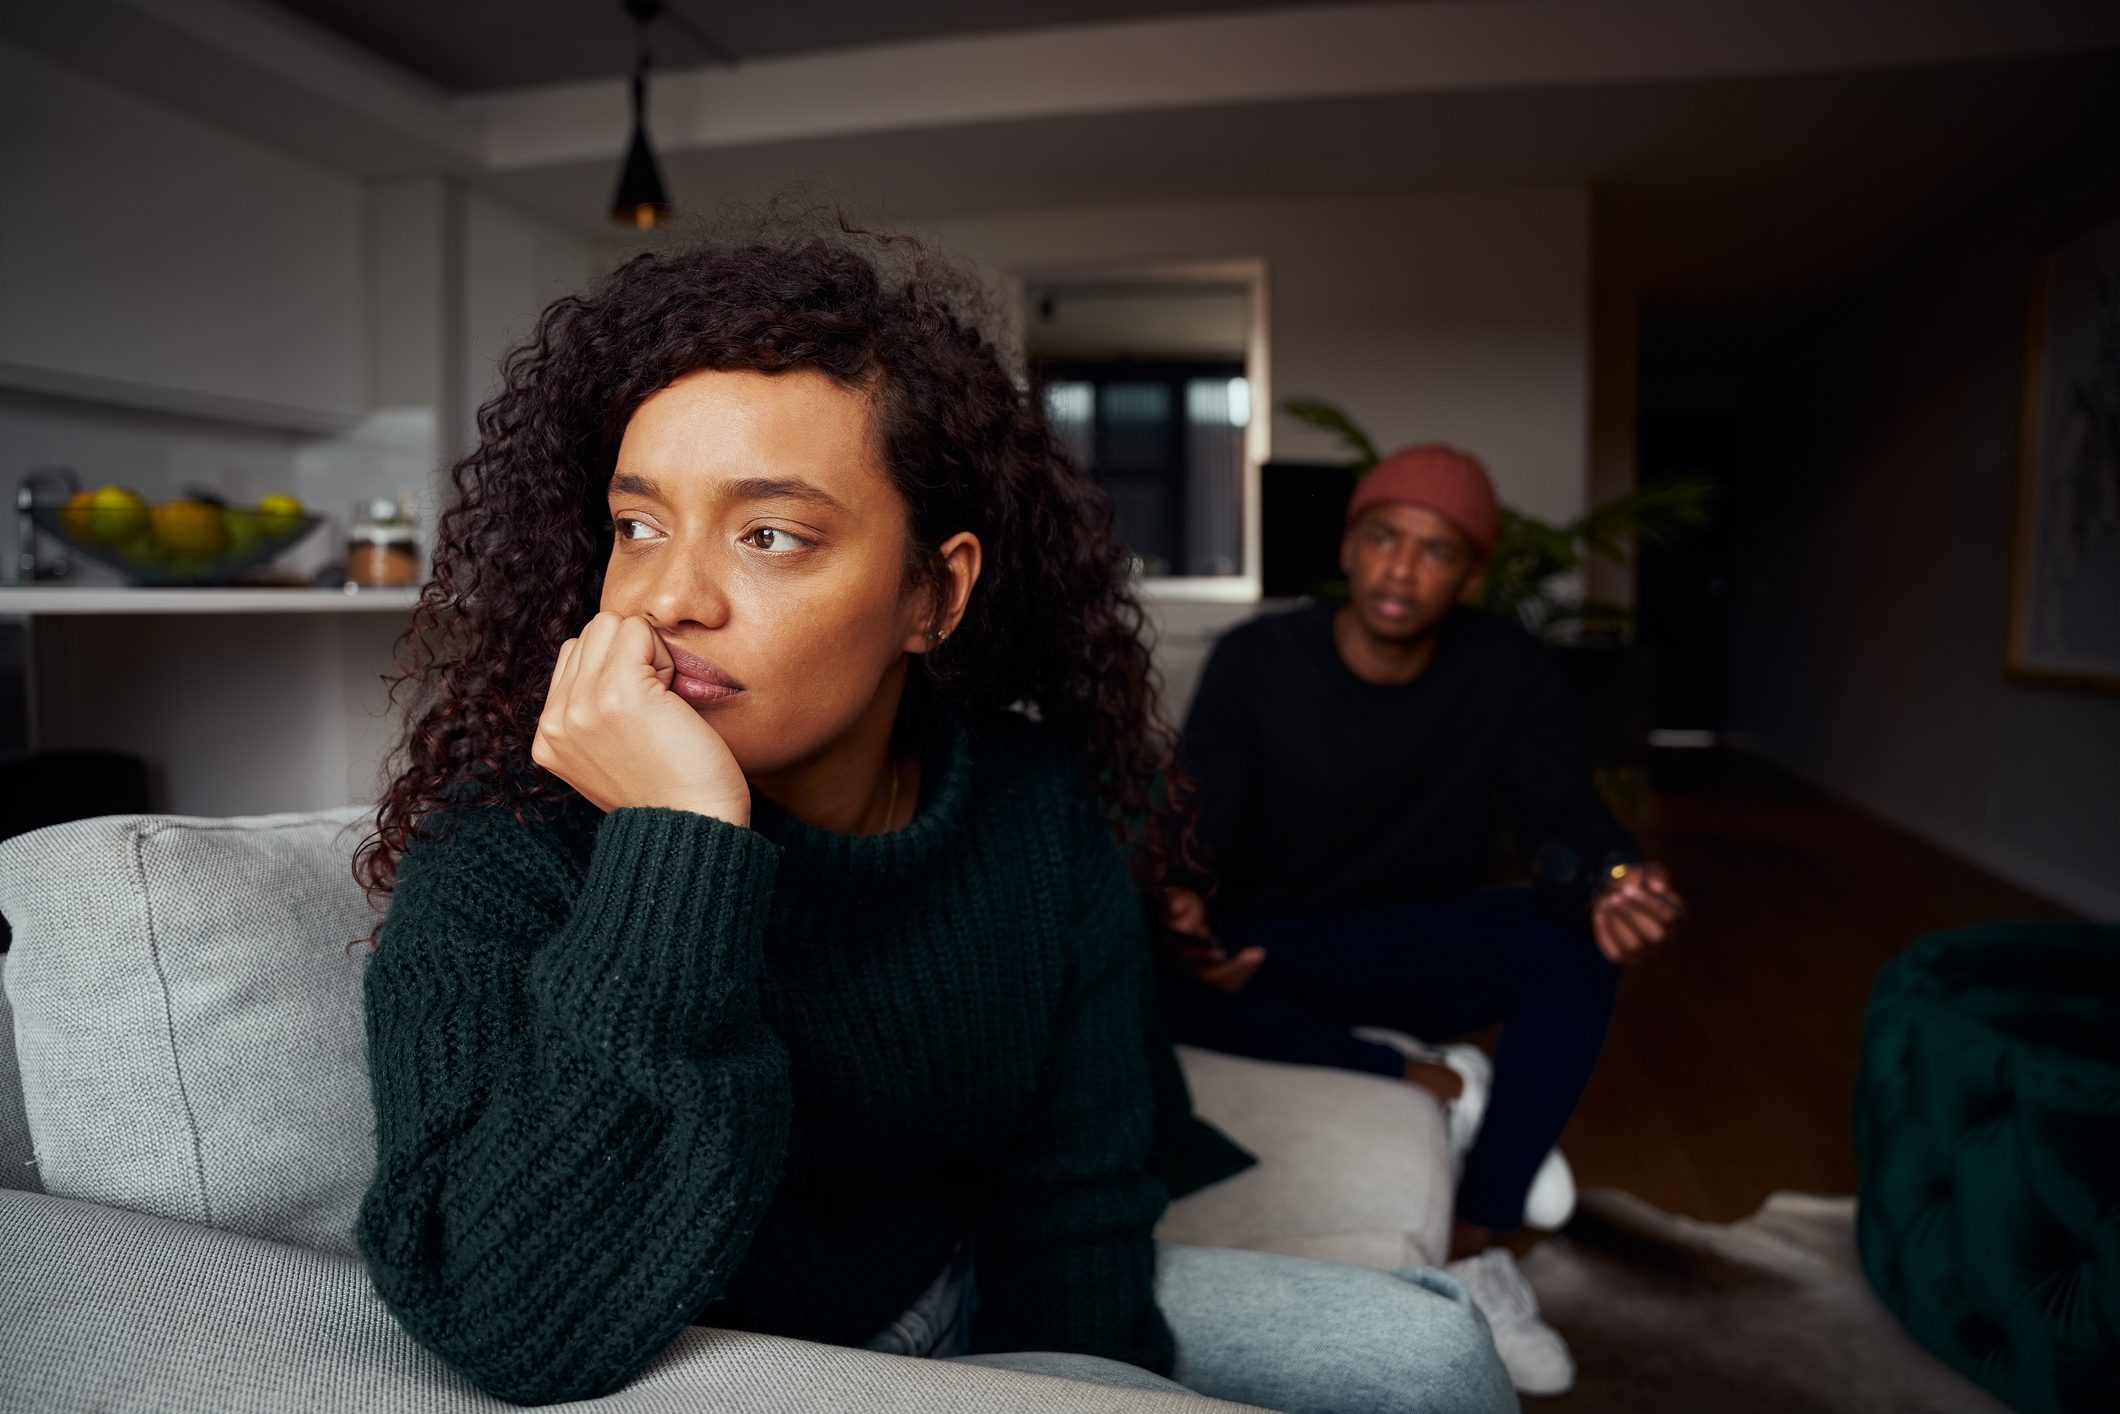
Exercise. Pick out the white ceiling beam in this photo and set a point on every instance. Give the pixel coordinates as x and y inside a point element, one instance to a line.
<point>1352,50</point>
<point>262,71</point>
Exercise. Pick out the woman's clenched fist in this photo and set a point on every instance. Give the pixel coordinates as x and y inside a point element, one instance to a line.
<point>613,730</point>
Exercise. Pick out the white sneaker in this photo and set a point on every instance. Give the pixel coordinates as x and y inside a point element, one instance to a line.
<point>1551,1201</point>
<point>1473,1068</point>
<point>1533,1352</point>
<point>1470,1107</point>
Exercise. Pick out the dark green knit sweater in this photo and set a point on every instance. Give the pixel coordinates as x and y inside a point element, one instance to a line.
<point>642,1069</point>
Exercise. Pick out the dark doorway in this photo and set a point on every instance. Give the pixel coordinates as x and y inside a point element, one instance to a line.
<point>1695,399</point>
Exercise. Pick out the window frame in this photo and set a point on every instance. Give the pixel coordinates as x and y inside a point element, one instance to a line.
<point>1251,272</point>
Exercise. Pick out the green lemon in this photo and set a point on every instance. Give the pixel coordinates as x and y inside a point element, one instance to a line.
<point>116,515</point>
<point>245,529</point>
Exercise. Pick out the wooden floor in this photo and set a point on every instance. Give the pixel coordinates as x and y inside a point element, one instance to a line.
<point>1731,1064</point>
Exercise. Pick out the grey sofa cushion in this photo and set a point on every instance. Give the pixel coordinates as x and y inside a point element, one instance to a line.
<point>18,1160</point>
<point>188,1017</point>
<point>106,1310</point>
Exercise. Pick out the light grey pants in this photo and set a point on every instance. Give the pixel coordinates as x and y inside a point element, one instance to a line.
<point>1282,1332</point>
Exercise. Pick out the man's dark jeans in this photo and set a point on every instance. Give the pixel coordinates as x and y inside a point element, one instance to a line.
<point>1437,971</point>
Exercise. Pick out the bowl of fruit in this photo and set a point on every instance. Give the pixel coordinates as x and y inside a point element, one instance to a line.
<point>193,540</point>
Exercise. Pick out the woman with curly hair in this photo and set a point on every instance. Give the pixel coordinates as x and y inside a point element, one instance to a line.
<point>761,949</point>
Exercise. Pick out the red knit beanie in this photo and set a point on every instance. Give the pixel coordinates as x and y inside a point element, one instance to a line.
<point>1442,479</point>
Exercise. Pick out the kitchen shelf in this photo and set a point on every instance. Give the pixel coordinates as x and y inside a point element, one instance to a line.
<point>35,600</point>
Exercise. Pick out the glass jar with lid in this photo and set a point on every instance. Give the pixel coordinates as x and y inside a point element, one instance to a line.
<point>383,543</point>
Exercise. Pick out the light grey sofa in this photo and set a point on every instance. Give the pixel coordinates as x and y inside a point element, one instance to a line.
<point>185,1129</point>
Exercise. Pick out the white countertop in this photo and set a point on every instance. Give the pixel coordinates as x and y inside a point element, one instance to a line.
<point>49,599</point>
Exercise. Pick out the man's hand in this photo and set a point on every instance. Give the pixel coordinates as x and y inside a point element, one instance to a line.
<point>1192,949</point>
<point>1635,911</point>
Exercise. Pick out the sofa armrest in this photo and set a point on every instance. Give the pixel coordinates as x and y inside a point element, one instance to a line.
<point>104,1309</point>
<point>1352,1168</point>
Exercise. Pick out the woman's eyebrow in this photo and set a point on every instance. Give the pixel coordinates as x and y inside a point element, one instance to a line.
<point>749,488</point>
<point>791,488</point>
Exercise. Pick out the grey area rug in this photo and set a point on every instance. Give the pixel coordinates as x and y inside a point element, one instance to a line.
<point>1771,1315</point>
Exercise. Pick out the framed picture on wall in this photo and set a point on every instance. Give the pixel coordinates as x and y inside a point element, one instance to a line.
<point>2065,592</point>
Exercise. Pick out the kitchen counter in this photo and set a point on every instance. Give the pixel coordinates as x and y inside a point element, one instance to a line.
<point>38,600</point>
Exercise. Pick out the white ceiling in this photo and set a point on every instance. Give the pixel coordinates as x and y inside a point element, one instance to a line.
<point>1740,152</point>
<point>1726,191</point>
<point>470,46</point>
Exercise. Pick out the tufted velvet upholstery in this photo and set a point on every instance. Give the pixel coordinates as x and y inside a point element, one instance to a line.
<point>1987,1120</point>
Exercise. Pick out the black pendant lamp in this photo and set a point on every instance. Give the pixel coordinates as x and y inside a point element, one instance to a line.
<point>641,201</point>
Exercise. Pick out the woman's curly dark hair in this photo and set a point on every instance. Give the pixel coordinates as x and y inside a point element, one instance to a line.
<point>1054,624</point>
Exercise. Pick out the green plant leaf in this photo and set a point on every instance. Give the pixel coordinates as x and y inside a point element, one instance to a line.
<point>1659,513</point>
<point>1332,421</point>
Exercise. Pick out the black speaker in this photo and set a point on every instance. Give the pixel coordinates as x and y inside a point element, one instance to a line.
<point>1303,510</point>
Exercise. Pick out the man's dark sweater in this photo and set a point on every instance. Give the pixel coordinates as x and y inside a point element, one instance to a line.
<point>1318,791</point>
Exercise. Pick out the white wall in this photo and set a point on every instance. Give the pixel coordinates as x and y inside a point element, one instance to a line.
<point>1456,316</point>
<point>455,280</point>
<point>412,234</point>
<point>1875,568</point>
<point>145,250</point>
<point>514,265</point>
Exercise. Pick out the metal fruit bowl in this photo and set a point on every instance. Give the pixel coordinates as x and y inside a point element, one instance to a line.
<point>192,550</point>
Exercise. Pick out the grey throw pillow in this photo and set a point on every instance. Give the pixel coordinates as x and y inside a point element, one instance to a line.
<point>18,1161</point>
<point>187,1015</point>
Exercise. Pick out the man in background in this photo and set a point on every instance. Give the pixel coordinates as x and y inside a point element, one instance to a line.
<point>1352,763</point>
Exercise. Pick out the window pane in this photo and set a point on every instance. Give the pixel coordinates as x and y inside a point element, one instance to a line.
<point>1137,427</point>
<point>1166,438</point>
<point>1215,412</point>
<point>1071,408</point>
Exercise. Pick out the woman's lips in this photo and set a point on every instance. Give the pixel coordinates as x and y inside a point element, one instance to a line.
<point>698,680</point>
<point>692,689</point>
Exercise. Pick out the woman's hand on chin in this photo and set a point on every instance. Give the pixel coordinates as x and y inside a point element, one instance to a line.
<point>613,730</point>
